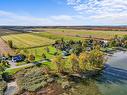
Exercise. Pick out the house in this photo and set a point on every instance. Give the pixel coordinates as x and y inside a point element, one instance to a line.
<point>65,53</point>
<point>17,58</point>
<point>105,43</point>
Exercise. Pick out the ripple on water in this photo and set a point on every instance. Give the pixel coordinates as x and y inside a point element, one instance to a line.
<point>113,80</point>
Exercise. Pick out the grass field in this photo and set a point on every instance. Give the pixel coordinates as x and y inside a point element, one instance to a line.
<point>79,34</point>
<point>57,36</point>
<point>27,40</point>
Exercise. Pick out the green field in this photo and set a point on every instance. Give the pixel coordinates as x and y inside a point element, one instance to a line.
<point>78,34</point>
<point>39,51</point>
<point>27,40</point>
<point>56,36</point>
<point>36,41</point>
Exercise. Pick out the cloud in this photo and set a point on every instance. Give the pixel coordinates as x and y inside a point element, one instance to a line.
<point>62,17</point>
<point>9,18</point>
<point>99,6</point>
<point>73,2</point>
<point>101,11</point>
<point>87,12</point>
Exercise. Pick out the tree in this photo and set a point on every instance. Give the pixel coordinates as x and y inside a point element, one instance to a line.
<point>43,56</point>
<point>115,41</point>
<point>47,49</point>
<point>17,51</point>
<point>4,65</point>
<point>125,37</point>
<point>77,49</point>
<point>83,60</point>
<point>96,58</point>
<point>73,59</point>
<point>31,57</point>
<point>58,60</point>
<point>112,43</point>
<point>23,52</point>
<point>10,43</point>
<point>125,43</point>
<point>97,47</point>
<point>116,37</point>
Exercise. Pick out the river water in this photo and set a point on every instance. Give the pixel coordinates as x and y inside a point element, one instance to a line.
<point>113,80</point>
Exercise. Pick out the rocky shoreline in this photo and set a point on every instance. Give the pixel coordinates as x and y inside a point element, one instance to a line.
<point>60,84</point>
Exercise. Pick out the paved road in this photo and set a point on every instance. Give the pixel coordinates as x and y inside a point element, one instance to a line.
<point>13,65</point>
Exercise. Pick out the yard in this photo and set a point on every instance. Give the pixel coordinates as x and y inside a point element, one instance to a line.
<point>41,50</point>
<point>27,40</point>
<point>38,52</point>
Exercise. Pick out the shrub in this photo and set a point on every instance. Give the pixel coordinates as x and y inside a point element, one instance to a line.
<point>3,85</point>
<point>10,43</point>
<point>32,79</point>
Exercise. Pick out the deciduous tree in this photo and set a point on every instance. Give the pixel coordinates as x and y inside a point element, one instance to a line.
<point>73,59</point>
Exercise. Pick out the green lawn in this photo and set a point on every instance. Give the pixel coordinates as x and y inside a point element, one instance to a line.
<point>15,70</point>
<point>39,51</point>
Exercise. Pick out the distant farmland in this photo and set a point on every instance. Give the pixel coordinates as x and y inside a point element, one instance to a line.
<point>41,37</point>
<point>27,40</point>
<point>75,33</point>
<point>7,32</point>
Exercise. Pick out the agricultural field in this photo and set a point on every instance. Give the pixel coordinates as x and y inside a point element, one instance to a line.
<point>78,34</point>
<point>7,32</point>
<point>56,37</point>
<point>27,40</point>
<point>4,48</point>
<point>47,62</point>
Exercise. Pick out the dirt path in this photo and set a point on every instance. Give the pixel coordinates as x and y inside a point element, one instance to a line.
<point>4,48</point>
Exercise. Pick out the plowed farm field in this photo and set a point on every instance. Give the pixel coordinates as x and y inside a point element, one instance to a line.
<point>4,48</point>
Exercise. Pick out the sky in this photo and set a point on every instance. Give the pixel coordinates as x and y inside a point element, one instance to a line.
<point>63,12</point>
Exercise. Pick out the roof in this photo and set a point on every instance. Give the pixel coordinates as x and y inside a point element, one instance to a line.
<point>17,58</point>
